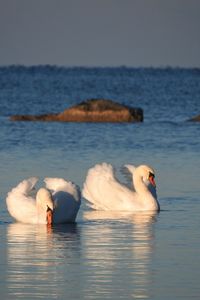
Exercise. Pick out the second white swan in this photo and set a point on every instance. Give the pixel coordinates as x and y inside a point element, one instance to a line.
<point>104,192</point>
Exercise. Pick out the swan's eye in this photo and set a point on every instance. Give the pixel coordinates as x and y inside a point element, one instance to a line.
<point>151,175</point>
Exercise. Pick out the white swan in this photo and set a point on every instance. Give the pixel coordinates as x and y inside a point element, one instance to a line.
<point>104,192</point>
<point>59,196</point>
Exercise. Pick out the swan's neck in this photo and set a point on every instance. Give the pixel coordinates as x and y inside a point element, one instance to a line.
<point>43,201</point>
<point>41,214</point>
<point>140,186</point>
<point>148,198</point>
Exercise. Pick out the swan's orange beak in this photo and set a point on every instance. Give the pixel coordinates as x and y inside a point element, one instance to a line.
<point>49,216</point>
<point>152,179</point>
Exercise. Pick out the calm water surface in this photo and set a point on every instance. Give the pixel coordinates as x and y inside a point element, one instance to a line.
<point>105,255</point>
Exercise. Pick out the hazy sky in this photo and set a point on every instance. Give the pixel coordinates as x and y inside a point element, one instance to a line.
<point>100,32</point>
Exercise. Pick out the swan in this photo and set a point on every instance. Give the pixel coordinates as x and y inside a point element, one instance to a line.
<point>103,191</point>
<point>59,197</point>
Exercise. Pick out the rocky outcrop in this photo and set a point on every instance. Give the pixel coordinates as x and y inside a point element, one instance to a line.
<point>195,119</point>
<point>93,110</point>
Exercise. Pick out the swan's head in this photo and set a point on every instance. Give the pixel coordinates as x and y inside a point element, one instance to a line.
<point>44,199</point>
<point>147,174</point>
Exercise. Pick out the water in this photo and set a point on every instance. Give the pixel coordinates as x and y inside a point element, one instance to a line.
<point>103,255</point>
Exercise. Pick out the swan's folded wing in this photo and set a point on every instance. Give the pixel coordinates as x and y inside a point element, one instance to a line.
<point>67,199</point>
<point>55,184</point>
<point>20,205</point>
<point>102,189</point>
<point>127,171</point>
<point>62,185</point>
<point>26,186</point>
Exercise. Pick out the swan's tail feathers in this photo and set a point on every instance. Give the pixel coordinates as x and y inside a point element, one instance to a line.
<point>88,197</point>
<point>60,184</point>
<point>102,170</point>
<point>92,201</point>
<point>95,183</point>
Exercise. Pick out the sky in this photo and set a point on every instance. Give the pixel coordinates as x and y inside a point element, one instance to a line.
<point>136,33</point>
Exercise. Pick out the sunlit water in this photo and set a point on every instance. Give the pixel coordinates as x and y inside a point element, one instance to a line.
<point>105,255</point>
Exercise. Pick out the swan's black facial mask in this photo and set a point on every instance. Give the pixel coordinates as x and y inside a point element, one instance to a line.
<point>48,209</point>
<point>152,179</point>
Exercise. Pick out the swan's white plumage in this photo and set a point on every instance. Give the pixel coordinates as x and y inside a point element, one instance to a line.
<point>27,208</point>
<point>67,199</point>
<point>104,192</point>
<point>21,205</point>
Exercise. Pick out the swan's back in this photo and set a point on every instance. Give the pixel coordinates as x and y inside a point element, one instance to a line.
<point>104,192</point>
<point>67,199</point>
<point>20,204</point>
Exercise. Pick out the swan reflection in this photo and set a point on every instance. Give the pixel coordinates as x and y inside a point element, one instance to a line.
<point>118,250</point>
<point>141,218</point>
<point>108,256</point>
<point>35,253</point>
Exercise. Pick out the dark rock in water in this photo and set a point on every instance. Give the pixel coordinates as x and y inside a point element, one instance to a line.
<point>195,119</point>
<point>93,110</point>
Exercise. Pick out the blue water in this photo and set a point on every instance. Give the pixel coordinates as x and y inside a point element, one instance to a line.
<point>104,255</point>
